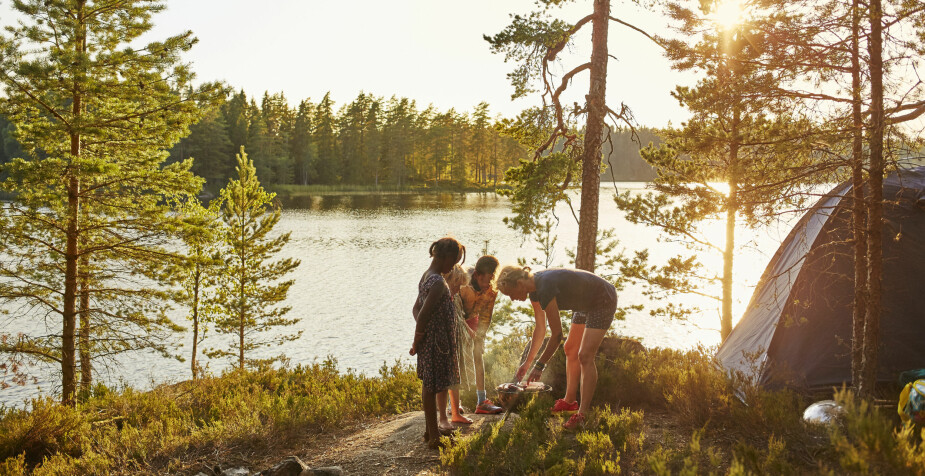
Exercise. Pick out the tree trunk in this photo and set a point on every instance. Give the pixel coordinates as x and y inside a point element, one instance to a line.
<point>71,255</point>
<point>69,314</point>
<point>594,136</point>
<point>875,207</point>
<point>86,369</point>
<point>196,281</point>
<point>242,297</point>
<point>732,208</point>
<point>859,310</point>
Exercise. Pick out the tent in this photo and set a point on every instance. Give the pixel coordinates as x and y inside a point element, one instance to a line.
<point>797,327</point>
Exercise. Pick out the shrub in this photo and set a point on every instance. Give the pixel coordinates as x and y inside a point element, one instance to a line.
<point>154,431</point>
<point>869,442</point>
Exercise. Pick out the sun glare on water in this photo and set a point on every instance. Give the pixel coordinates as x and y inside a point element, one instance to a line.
<point>728,13</point>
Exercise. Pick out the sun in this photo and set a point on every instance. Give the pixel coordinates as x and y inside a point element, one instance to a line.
<point>728,13</point>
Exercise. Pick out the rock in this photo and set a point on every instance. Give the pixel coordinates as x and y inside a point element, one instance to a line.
<point>325,471</point>
<point>291,466</point>
<point>236,472</point>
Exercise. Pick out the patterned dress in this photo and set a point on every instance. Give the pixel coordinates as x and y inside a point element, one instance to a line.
<point>437,366</point>
<point>463,345</point>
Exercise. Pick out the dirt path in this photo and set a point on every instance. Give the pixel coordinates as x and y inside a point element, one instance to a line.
<point>391,446</point>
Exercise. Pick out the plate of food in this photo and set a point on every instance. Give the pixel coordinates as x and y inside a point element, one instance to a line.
<point>509,394</point>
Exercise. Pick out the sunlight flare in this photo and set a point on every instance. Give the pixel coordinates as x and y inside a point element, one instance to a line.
<point>728,13</point>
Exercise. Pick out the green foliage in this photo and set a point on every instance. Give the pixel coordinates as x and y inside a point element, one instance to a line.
<point>536,189</point>
<point>869,442</point>
<point>172,426</point>
<point>742,157</point>
<point>45,429</point>
<point>249,287</point>
<point>526,42</point>
<point>370,141</point>
<point>709,429</point>
<point>534,444</point>
<point>93,116</point>
<point>197,270</point>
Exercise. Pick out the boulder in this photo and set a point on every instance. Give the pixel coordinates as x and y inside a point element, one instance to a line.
<point>614,351</point>
<point>236,472</point>
<point>291,466</point>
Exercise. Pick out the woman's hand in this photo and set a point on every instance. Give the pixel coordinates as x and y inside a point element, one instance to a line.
<point>535,375</point>
<point>521,372</point>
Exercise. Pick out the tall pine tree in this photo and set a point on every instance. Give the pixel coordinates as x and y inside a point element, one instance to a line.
<point>250,288</point>
<point>95,112</point>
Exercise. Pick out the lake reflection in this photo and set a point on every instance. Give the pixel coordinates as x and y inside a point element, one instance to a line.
<point>391,201</point>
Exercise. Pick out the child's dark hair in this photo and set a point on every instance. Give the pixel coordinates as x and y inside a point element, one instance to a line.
<point>485,265</point>
<point>448,246</point>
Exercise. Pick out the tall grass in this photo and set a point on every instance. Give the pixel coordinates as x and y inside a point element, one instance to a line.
<point>164,429</point>
<point>718,424</point>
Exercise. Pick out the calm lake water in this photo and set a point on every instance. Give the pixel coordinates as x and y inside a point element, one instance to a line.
<point>362,257</point>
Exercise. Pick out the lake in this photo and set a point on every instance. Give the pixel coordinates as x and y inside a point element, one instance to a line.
<point>362,257</point>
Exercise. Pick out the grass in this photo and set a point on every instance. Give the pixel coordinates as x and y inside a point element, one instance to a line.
<point>165,429</point>
<point>674,412</point>
<point>659,412</point>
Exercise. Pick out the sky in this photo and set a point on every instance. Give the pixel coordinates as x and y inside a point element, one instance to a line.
<point>426,50</point>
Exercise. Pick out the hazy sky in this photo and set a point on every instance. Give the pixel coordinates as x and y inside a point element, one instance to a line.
<point>426,50</point>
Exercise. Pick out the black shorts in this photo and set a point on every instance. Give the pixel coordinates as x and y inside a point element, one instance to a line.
<point>599,318</point>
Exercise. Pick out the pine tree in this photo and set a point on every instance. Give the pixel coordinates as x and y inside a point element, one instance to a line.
<point>535,42</point>
<point>325,140</point>
<point>95,113</point>
<point>302,151</point>
<point>739,134</point>
<point>210,147</point>
<point>196,271</point>
<point>249,286</point>
<point>235,111</point>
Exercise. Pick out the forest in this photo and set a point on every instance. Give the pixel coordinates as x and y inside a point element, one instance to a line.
<point>369,142</point>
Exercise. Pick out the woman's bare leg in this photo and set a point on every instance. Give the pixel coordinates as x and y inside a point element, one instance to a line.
<point>590,343</point>
<point>572,363</point>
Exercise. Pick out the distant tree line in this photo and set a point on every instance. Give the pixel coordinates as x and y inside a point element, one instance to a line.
<point>369,141</point>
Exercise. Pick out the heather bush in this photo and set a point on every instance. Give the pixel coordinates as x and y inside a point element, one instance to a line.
<point>156,431</point>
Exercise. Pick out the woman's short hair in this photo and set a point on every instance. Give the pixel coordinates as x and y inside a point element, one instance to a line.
<point>457,275</point>
<point>511,274</point>
<point>485,265</point>
<point>448,247</point>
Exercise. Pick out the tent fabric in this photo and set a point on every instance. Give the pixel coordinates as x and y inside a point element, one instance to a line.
<point>797,327</point>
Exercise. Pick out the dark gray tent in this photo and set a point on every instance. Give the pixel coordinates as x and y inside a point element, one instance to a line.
<point>797,327</point>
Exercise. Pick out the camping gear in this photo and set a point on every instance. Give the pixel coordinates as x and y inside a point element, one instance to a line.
<point>797,329</point>
<point>912,403</point>
<point>511,395</point>
<point>825,411</point>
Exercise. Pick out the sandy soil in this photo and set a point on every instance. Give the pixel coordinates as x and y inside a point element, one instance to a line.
<point>391,446</point>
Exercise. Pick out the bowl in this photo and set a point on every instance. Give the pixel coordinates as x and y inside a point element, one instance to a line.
<point>512,395</point>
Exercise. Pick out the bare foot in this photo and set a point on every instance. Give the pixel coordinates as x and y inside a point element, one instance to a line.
<point>461,420</point>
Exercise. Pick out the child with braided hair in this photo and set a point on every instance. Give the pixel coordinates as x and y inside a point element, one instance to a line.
<point>435,333</point>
